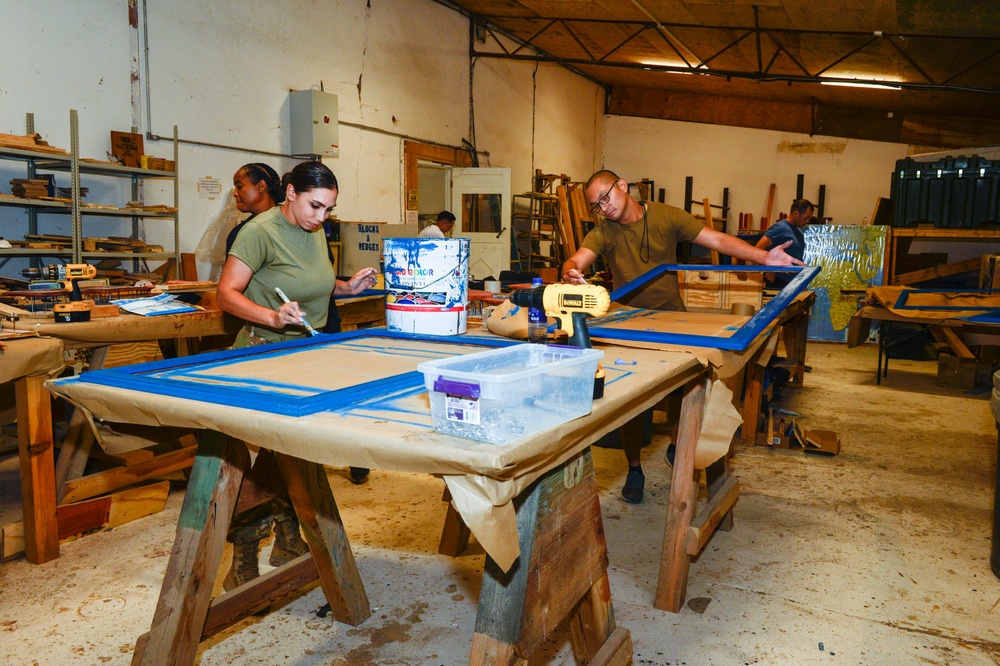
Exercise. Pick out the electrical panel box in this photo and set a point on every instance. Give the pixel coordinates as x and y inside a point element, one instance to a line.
<point>313,123</point>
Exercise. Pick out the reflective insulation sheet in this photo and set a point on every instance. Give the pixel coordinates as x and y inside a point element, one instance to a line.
<point>851,257</point>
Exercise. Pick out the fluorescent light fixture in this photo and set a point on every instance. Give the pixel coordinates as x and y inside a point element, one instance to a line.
<point>654,65</point>
<point>862,84</point>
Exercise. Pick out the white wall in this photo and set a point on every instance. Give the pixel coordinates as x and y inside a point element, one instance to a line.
<point>747,161</point>
<point>222,71</point>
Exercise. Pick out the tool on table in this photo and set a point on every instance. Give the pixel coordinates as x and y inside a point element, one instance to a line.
<point>571,305</point>
<point>67,274</point>
<point>305,322</point>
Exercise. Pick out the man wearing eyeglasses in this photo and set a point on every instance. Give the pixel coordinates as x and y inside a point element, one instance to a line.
<point>634,237</point>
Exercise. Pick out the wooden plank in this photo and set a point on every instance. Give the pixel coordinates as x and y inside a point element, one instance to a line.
<point>37,460</point>
<point>949,336</point>
<point>11,541</point>
<point>189,267</point>
<point>616,651</point>
<point>953,268</point>
<point>74,452</point>
<point>671,586</point>
<point>580,210</point>
<point>309,490</point>
<point>94,515</point>
<point>568,529</point>
<point>186,594</point>
<point>711,515</point>
<point>130,353</point>
<point>119,477</point>
<point>717,475</point>
<point>268,589</point>
<point>565,221</point>
<point>764,223</point>
<point>124,458</point>
<point>592,622</point>
<point>711,225</point>
<point>954,234</point>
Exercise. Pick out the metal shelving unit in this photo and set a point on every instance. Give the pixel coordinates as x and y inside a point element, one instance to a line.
<point>75,166</point>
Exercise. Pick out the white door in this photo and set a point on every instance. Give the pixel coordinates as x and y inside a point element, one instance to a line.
<point>480,199</point>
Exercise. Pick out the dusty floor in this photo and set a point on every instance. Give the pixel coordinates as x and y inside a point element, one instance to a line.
<point>877,556</point>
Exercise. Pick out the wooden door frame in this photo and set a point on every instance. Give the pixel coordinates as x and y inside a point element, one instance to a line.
<point>413,152</point>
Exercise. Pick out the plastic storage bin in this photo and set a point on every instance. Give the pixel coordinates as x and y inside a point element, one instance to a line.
<point>501,395</point>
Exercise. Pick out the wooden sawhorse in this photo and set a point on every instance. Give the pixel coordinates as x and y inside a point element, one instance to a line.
<point>558,519</point>
<point>685,534</point>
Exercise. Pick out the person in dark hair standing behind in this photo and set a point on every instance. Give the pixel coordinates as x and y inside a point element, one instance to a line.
<point>789,232</point>
<point>635,237</point>
<point>282,247</point>
<point>256,188</point>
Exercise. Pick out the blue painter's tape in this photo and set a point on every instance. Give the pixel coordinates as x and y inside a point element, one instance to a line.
<point>172,377</point>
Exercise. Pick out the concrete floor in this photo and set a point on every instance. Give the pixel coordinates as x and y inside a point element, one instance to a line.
<point>877,556</point>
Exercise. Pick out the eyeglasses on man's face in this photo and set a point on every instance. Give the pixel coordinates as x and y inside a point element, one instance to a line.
<point>604,199</point>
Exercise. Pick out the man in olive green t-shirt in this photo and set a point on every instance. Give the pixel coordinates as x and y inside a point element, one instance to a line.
<point>634,237</point>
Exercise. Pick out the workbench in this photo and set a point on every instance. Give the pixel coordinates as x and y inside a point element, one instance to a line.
<point>113,341</point>
<point>532,503</point>
<point>949,323</point>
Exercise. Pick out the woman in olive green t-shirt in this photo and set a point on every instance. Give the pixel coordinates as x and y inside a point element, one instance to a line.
<point>282,248</point>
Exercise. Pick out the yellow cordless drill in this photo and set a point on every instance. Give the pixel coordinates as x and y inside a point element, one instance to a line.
<point>570,304</point>
<point>68,274</point>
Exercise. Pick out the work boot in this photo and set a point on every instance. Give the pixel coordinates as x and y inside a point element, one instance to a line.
<point>288,542</point>
<point>634,484</point>
<point>244,568</point>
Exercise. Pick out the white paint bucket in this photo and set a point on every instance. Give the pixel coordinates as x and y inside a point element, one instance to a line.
<point>426,285</point>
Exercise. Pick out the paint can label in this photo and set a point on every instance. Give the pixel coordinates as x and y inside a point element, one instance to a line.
<point>426,285</point>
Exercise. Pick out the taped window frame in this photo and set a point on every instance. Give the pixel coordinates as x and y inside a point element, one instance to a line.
<point>741,339</point>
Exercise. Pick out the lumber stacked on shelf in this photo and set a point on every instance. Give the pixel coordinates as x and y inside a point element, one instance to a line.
<point>33,142</point>
<point>29,188</point>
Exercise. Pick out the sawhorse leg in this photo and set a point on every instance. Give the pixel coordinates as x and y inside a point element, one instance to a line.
<point>186,594</point>
<point>753,393</point>
<point>455,534</point>
<point>674,560</point>
<point>561,572</point>
<point>185,613</point>
<point>38,488</point>
<point>796,335</point>
<point>317,512</point>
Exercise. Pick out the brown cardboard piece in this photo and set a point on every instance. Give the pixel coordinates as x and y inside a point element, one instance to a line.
<point>786,433</point>
<point>127,147</point>
<point>822,442</point>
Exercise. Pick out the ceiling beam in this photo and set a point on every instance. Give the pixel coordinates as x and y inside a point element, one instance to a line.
<point>810,117</point>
